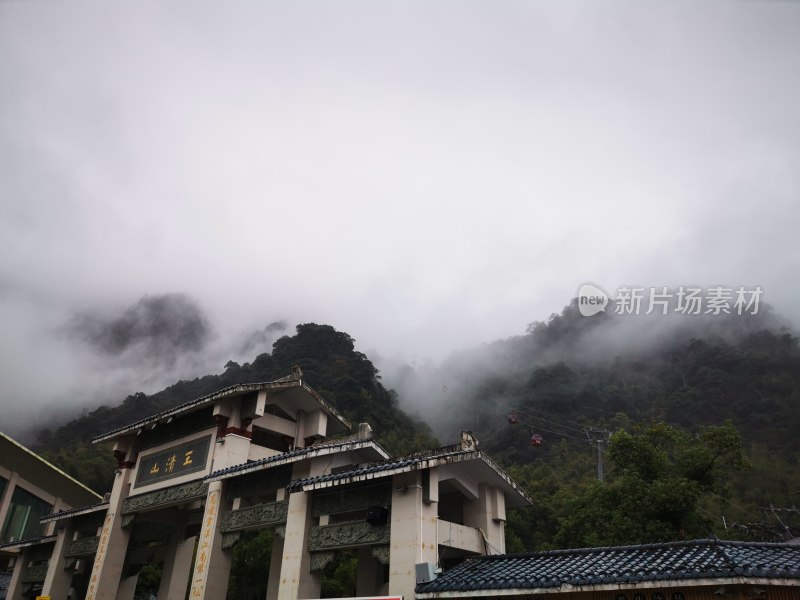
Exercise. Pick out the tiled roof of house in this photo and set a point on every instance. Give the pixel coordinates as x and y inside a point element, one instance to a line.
<point>381,468</point>
<point>234,390</point>
<point>74,511</point>
<point>697,559</point>
<point>464,451</point>
<point>5,581</point>
<point>293,455</point>
<point>42,539</point>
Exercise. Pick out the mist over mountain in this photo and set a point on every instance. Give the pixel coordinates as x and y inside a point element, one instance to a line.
<point>570,382</point>
<point>156,329</point>
<point>497,373</point>
<point>99,354</point>
<point>573,380</point>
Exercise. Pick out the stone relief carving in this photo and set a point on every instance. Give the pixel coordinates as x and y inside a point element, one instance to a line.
<point>82,547</point>
<point>251,517</point>
<point>381,554</point>
<point>127,520</point>
<point>343,535</point>
<point>229,540</point>
<point>331,503</point>
<point>170,495</point>
<point>34,573</point>
<point>320,560</point>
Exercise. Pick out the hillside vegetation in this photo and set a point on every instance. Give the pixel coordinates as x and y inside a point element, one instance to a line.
<point>330,365</point>
<point>697,421</point>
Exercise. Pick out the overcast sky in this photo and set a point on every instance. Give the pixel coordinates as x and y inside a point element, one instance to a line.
<point>424,175</point>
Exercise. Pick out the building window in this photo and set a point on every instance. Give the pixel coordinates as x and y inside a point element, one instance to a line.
<point>3,482</point>
<point>24,512</point>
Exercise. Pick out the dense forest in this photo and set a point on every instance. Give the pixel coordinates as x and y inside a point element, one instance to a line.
<point>329,362</point>
<point>712,404</point>
<point>695,423</point>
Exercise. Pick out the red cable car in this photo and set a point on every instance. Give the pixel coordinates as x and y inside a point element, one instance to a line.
<point>512,419</point>
<point>536,440</point>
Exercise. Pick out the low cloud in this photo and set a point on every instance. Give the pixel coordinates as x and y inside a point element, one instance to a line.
<point>156,328</point>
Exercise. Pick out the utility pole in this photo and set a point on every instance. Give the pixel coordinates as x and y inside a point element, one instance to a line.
<point>598,437</point>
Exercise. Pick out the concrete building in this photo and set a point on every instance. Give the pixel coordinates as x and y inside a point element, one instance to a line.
<point>30,489</point>
<point>192,479</point>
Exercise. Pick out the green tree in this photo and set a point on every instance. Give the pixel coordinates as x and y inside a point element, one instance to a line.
<point>339,577</point>
<point>659,476</point>
<point>250,566</point>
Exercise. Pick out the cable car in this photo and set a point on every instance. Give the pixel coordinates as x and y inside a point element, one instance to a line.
<point>512,419</point>
<point>536,440</point>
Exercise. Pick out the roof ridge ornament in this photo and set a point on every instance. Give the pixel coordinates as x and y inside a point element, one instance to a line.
<point>468,441</point>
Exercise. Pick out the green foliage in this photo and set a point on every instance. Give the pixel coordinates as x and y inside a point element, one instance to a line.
<point>250,566</point>
<point>91,465</point>
<point>663,482</point>
<point>330,364</point>
<point>148,581</point>
<point>660,474</point>
<point>339,577</point>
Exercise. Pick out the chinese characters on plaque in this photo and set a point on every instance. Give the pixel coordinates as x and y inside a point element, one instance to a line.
<point>182,459</point>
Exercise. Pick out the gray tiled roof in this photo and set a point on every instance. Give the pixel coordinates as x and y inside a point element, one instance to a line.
<point>292,455</point>
<point>697,559</point>
<point>72,511</point>
<point>237,389</point>
<point>462,452</point>
<point>382,467</point>
<point>5,581</point>
<point>42,539</point>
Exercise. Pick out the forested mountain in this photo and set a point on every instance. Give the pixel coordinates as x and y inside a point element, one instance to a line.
<point>693,402</point>
<point>573,380</point>
<point>330,365</point>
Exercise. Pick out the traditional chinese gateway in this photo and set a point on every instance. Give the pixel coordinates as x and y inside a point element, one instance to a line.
<point>276,455</point>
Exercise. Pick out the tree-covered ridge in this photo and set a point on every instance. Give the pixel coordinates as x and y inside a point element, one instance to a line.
<point>331,365</point>
<point>573,375</point>
<point>670,396</point>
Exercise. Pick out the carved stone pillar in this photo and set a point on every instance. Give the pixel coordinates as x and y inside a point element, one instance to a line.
<point>113,545</point>
<point>212,564</point>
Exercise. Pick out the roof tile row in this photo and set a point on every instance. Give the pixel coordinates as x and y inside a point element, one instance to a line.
<point>698,559</point>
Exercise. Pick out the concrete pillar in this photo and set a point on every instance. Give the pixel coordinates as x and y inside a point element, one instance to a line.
<point>127,588</point>
<point>367,577</point>
<point>5,501</point>
<point>57,581</point>
<point>296,578</point>
<point>110,558</point>
<point>15,585</point>
<point>212,564</point>
<point>275,568</point>
<point>413,533</point>
<point>488,513</point>
<point>50,528</point>
<point>177,568</point>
